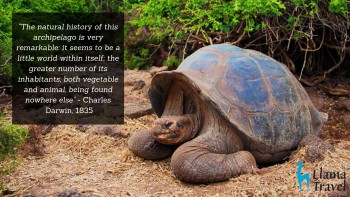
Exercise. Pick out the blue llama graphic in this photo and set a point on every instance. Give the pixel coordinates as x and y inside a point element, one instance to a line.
<point>302,177</point>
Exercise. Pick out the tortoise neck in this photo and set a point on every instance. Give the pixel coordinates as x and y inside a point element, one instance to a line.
<point>195,122</point>
<point>182,101</point>
<point>211,120</point>
<point>174,103</point>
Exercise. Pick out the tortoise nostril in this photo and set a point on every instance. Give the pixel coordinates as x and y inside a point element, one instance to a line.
<point>178,125</point>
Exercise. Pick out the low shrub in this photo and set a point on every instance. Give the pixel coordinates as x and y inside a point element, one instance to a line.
<point>307,35</point>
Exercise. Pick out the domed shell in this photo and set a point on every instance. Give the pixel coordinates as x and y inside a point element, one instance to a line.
<point>258,95</point>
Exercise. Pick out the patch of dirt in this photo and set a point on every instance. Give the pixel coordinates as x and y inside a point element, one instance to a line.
<point>338,110</point>
<point>92,160</point>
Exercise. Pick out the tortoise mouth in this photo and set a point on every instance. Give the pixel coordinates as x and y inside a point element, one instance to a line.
<point>166,136</point>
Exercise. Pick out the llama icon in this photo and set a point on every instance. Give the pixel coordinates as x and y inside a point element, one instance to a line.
<point>302,177</point>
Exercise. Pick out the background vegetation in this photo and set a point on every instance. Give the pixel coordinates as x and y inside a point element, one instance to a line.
<point>7,7</point>
<point>12,136</point>
<point>309,36</point>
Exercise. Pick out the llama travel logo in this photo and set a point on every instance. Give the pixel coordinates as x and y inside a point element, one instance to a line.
<point>302,177</point>
<point>323,180</point>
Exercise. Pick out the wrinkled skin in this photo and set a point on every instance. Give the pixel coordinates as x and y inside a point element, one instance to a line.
<point>215,154</point>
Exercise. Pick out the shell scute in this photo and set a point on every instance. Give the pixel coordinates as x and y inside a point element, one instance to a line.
<point>244,84</point>
<point>284,92</point>
<point>262,129</point>
<point>203,63</point>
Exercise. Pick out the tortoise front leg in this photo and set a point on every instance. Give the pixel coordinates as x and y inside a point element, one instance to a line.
<point>197,162</point>
<point>143,145</point>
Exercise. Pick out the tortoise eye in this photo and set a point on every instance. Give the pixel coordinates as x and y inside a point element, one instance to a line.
<point>168,124</point>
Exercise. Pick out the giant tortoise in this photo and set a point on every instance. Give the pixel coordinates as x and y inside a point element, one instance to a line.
<point>223,110</point>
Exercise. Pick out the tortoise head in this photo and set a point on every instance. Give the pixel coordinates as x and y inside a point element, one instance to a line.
<point>173,129</point>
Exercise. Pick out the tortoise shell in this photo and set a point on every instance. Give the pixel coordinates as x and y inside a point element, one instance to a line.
<point>258,95</point>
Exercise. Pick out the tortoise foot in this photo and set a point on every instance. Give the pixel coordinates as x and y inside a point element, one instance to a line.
<point>143,145</point>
